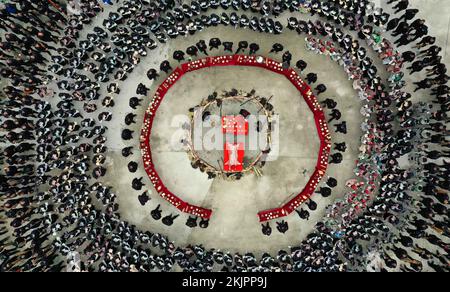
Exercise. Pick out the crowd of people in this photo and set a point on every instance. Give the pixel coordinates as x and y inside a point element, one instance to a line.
<point>58,99</point>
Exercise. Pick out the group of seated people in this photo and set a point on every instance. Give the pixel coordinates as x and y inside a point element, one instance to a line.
<point>59,99</point>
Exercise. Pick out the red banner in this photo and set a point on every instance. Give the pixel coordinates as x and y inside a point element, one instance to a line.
<point>233,159</point>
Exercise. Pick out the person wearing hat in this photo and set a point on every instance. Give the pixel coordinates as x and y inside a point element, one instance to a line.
<point>287,57</point>
<point>321,88</point>
<point>228,46</point>
<point>143,198</point>
<point>152,74</point>
<point>301,65</point>
<point>178,55</point>
<point>129,119</point>
<point>127,134</point>
<point>137,184</point>
<point>132,166</point>
<point>276,48</point>
<point>340,146</point>
<point>165,66</point>
<point>214,43</point>
<point>242,45</point>
<point>311,78</point>
<point>192,51</point>
<point>253,48</point>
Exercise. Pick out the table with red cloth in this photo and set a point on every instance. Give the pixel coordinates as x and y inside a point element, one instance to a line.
<point>238,165</point>
<point>235,125</point>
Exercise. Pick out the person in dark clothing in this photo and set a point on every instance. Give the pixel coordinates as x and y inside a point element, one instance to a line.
<point>253,48</point>
<point>430,52</point>
<point>156,213</point>
<point>169,219</point>
<point>340,146</point>
<point>392,24</point>
<point>425,41</point>
<point>143,198</point>
<point>214,43</point>
<point>134,102</point>
<point>311,78</point>
<point>321,88</point>
<point>178,55</point>
<point>242,45</point>
<point>165,66</point>
<point>127,134</point>
<point>191,222</point>
<point>408,56</point>
<point>204,223</point>
<point>287,57</point>
<point>282,226</point>
<point>301,65</point>
<point>341,127</point>
<point>142,89</point>
<point>152,74</point>
<point>336,158</point>
<point>303,214</point>
<point>127,151</point>
<point>324,192</point>
<point>266,229</point>
<point>137,184</point>
<point>400,6</point>
<point>332,182</point>
<point>192,51</point>
<point>329,103</point>
<point>335,115</point>
<point>401,29</point>
<point>416,66</point>
<point>202,47</point>
<point>276,48</point>
<point>129,119</point>
<point>132,166</point>
<point>424,84</point>
<point>409,14</point>
<point>228,46</point>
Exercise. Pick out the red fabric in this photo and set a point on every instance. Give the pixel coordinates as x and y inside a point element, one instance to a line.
<point>228,125</point>
<point>238,60</point>
<point>226,157</point>
<point>236,125</point>
<point>241,126</point>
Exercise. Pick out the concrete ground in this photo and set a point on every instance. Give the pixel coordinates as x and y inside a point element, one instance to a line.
<point>234,225</point>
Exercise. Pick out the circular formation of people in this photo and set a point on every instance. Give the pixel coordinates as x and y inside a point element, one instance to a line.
<point>63,65</point>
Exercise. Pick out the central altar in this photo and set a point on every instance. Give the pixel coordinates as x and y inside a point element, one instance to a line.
<point>230,134</point>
